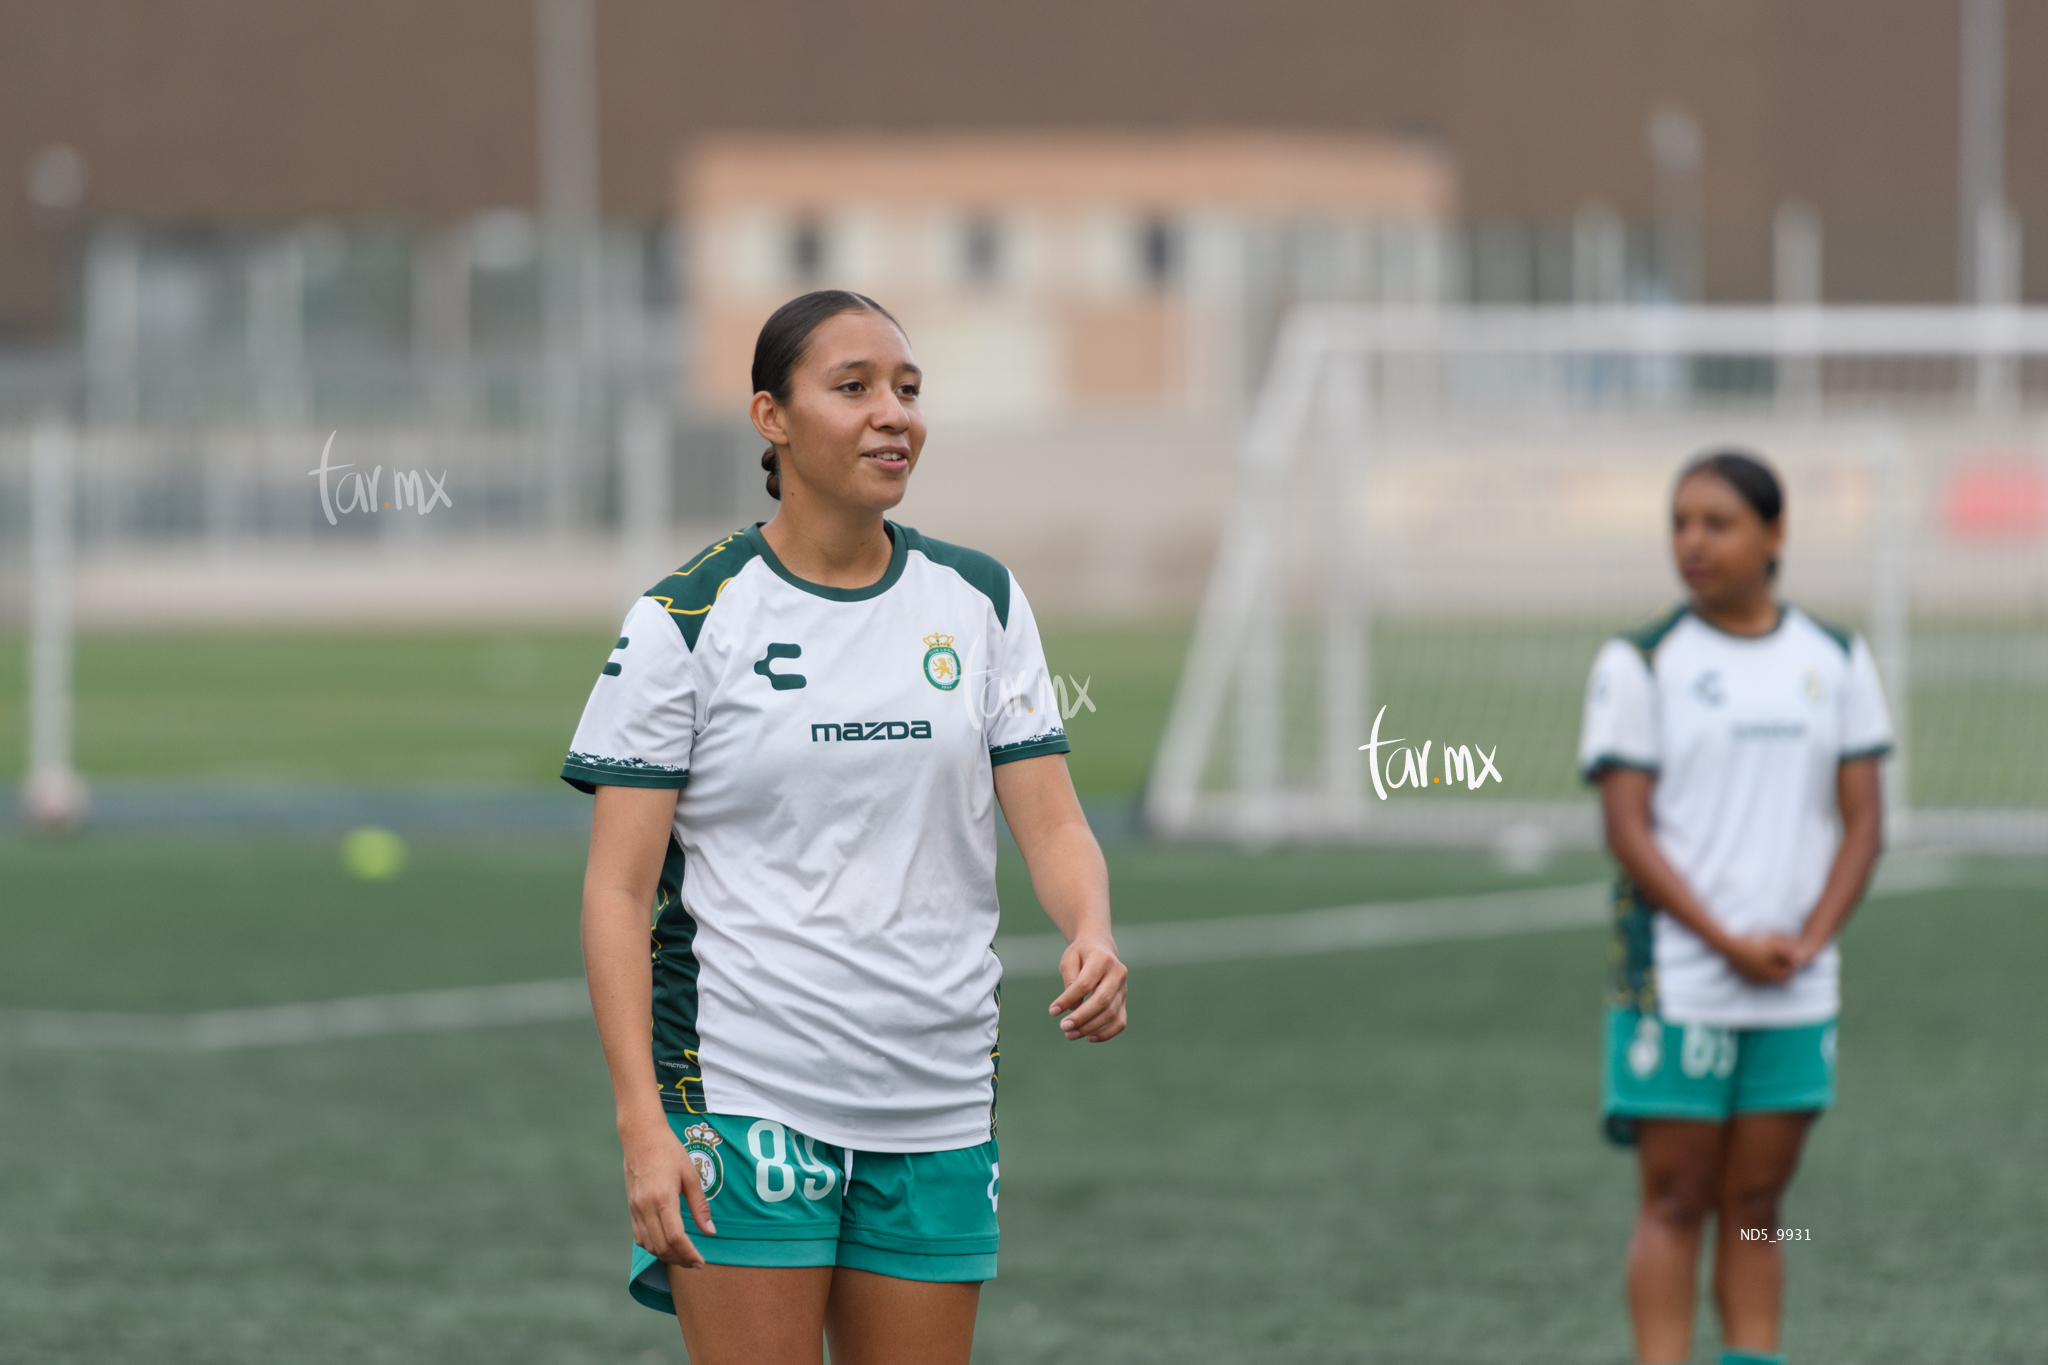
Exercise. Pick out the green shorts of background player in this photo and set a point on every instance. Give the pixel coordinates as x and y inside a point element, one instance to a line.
<point>1657,1069</point>
<point>1719,1115</point>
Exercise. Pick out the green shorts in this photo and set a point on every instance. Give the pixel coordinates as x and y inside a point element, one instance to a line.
<point>783,1199</point>
<point>1660,1070</point>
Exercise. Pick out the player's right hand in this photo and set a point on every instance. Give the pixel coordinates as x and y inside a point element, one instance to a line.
<point>1096,982</point>
<point>1766,959</point>
<point>660,1178</point>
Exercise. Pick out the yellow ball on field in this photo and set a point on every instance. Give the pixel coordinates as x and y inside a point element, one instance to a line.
<point>373,854</point>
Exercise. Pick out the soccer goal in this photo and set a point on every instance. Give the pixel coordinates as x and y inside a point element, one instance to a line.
<point>1442,513</point>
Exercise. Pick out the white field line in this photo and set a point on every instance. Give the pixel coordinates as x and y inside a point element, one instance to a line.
<point>1235,938</point>
<point>1304,933</point>
<point>365,1016</point>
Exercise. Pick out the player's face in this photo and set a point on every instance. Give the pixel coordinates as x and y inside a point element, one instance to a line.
<point>1722,546</point>
<point>853,426</point>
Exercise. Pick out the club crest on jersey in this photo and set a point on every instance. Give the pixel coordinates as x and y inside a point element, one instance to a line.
<point>941,664</point>
<point>1816,688</point>
<point>701,1141</point>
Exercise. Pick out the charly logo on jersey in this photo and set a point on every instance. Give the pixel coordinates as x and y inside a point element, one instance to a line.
<point>1707,687</point>
<point>781,682</point>
<point>941,664</point>
<point>1814,686</point>
<point>701,1141</point>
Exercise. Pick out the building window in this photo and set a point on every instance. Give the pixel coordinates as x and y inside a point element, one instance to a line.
<point>1156,252</point>
<point>807,251</point>
<point>981,252</point>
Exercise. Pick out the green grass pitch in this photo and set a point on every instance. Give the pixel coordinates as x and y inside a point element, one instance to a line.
<point>1371,1156</point>
<point>1374,1156</point>
<point>468,709</point>
<point>455,709</point>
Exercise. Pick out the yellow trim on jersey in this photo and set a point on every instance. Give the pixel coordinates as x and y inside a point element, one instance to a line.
<point>669,603</point>
<point>719,548</point>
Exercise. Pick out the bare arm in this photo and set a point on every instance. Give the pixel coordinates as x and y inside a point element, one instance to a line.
<point>629,832</point>
<point>1072,883</point>
<point>1625,806</point>
<point>1860,794</point>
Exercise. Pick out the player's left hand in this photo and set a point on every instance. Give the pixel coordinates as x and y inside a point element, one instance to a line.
<point>1096,982</point>
<point>1784,955</point>
<point>1765,959</point>
<point>1801,951</point>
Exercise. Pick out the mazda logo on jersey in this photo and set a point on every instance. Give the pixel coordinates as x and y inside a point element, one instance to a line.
<point>871,729</point>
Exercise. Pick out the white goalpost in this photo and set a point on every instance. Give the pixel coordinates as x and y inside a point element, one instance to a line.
<point>1442,512</point>
<point>52,794</point>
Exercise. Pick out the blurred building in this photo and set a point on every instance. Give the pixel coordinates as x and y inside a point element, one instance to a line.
<point>474,235</point>
<point>409,132</point>
<point>1046,272</point>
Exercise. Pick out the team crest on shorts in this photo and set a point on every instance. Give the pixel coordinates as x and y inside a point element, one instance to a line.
<point>941,664</point>
<point>1646,1052</point>
<point>701,1141</point>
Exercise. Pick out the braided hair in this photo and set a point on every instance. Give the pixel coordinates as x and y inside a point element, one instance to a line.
<point>780,349</point>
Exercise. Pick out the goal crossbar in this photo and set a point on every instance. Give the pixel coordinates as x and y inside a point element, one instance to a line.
<point>1320,378</point>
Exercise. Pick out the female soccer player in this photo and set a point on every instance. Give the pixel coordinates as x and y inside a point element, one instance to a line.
<point>1736,744</point>
<point>797,750</point>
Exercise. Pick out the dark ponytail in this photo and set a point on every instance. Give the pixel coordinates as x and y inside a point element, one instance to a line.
<point>1751,479</point>
<point>780,349</point>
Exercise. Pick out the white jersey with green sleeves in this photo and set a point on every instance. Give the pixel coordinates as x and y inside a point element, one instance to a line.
<point>1745,734</point>
<point>822,934</point>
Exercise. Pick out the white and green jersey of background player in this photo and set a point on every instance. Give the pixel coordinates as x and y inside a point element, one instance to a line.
<point>1745,735</point>
<point>822,932</point>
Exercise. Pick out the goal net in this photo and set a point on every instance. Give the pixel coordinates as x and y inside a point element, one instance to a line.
<point>1442,513</point>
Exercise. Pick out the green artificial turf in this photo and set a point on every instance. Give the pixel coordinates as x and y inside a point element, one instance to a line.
<point>455,708</point>
<point>447,708</point>
<point>1384,1155</point>
<point>471,709</point>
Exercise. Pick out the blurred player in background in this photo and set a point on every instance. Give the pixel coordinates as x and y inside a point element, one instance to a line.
<point>1736,745</point>
<point>797,751</point>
